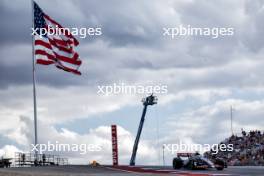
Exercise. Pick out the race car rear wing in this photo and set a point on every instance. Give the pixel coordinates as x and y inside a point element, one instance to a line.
<point>184,154</point>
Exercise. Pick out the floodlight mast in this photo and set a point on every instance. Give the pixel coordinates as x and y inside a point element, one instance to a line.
<point>150,100</point>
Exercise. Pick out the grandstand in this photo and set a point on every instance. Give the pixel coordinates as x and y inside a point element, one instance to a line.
<point>248,149</point>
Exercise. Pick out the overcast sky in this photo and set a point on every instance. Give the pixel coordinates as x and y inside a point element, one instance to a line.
<point>204,76</point>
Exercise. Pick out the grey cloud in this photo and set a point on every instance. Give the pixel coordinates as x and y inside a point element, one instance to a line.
<point>16,22</point>
<point>20,75</point>
<point>132,47</point>
<point>211,123</point>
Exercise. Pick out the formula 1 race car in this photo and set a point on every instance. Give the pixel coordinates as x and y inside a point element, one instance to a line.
<point>196,161</point>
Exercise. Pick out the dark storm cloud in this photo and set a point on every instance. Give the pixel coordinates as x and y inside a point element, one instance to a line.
<point>123,22</point>
<point>120,23</point>
<point>15,23</point>
<point>13,75</point>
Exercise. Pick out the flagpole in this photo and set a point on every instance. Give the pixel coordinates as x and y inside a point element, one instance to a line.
<point>34,82</point>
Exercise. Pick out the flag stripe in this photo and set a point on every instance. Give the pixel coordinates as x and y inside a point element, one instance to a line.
<point>62,48</point>
<point>56,56</point>
<point>52,43</point>
<point>68,69</point>
<point>62,42</point>
<point>44,62</point>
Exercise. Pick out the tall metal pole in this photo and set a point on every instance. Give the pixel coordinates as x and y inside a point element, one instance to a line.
<point>231,118</point>
<point>34,81</point>
<point>150,100</point>
<point>163,156</point>
<point>135,147</point>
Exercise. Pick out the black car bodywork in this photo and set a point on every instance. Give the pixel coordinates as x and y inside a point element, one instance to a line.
<point>196,161</point>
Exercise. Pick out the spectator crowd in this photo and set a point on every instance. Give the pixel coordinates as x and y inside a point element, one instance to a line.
<point>248,149</point>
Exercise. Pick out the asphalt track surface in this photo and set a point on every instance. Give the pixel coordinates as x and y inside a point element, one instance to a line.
<point>77,170</point>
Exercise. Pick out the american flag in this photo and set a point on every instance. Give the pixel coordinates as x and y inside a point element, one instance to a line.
<point>54,49</point>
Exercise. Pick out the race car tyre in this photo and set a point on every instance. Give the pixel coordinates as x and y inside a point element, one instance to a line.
<point>177,163</point>
<point>190,165</point>
<point>220,164</point>
<point>219,168</point>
